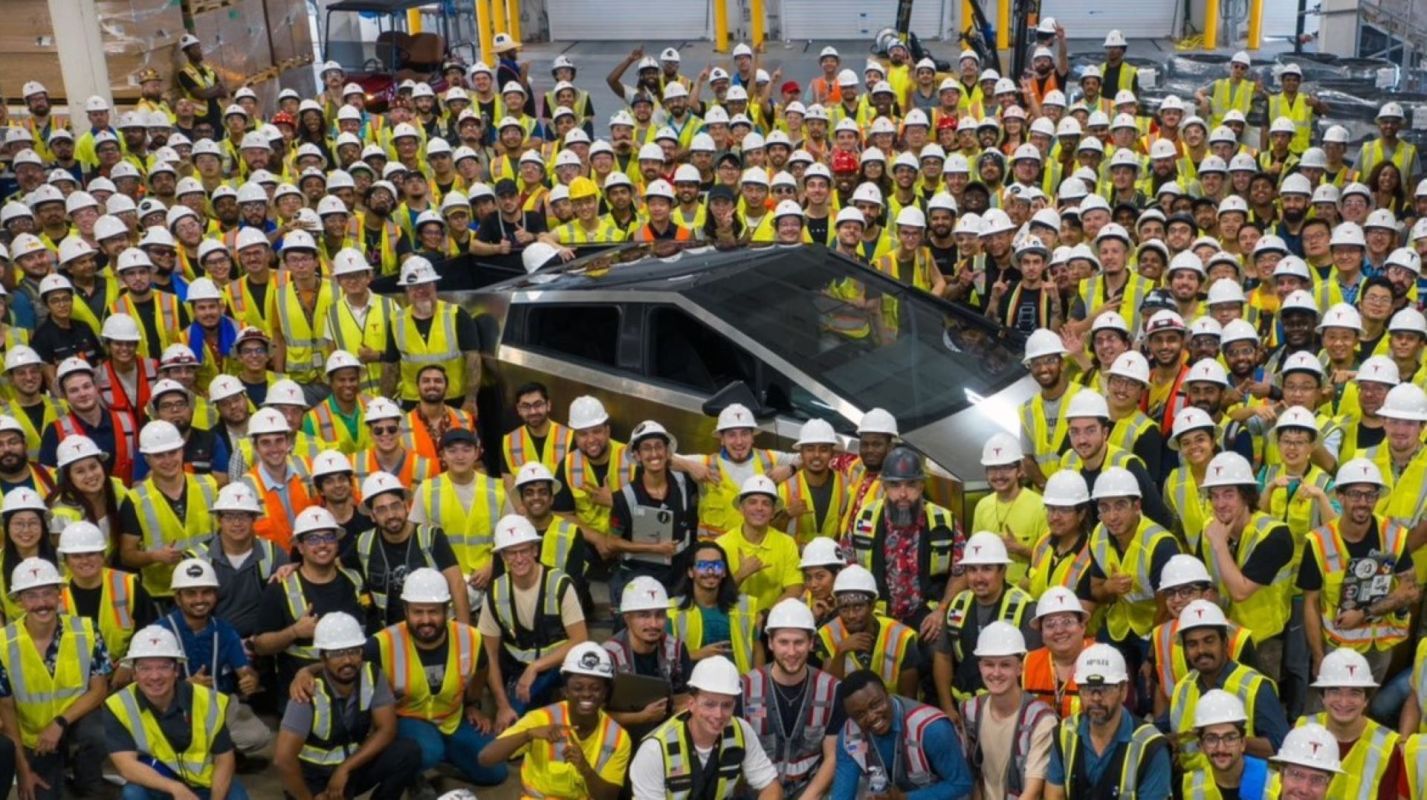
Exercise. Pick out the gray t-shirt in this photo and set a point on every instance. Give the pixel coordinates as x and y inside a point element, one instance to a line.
<point>1052,415</point>
<point>297,719</point>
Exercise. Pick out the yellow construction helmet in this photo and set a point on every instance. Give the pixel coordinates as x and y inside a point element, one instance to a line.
<point>583,187</point>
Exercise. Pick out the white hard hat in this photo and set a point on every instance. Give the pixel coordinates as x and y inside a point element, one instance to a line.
<point>513,530</point>
<point>417,270</point>
<point>23,498</point>
<point>1189,418</point>
<point>81,536</point>
<point>379,483</point>
<point>1207,370</point>
<point>1001,449</point>
<point>1130,364</point>
<point>643,593</point>
<point>1201,614</point>
<point>822,551</point>
<point>1346,668</point>
<point>716,674</point>
<point>1000,638</point>
<point>1043,342</point>
<point>1405,401</point>
<point>285,392</point>
<point>588,658</point>
<point>734,416</point>
<point>1059,600</point>
<point>1342,315</point>
<point>984,547</point>
<point>586,412</point>
<point>791,613</point>
<point>1115,482</point>
<point>1360,470</point>
<point>341,359</point>
<point>1310,745</point>
<point>159,436</point>
<point>1115,39</point>
<point>1297,417</point>
<point>71,365</point>
<point>223,387</point>
<point>1100,664</point>
<point>33,573</point>
<point>21,356</point>
<point>203,289</point>
<point>1066,488</point>
<point>1183,570</point>
<point>1408,320</point>
<point>878,420</point>
<point>536,472</point>
<point>237,497</point>
<point>154,641</point>
<point>338,630</point>
<point>267,420</point>
<point>1087,403</point>
<point>758,484</point>
<point>816,431</point>
<point>854,578</point>
<point>330,462</point>
<point>313,519</point>
<point>425,585</point>
<point>1379,369</point>
<point>1218,707</point>
<point>1228,469</point>
<point>194,573</point>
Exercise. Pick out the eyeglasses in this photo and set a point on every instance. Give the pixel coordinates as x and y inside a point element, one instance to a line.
<point>1216,740</point>
<point>327,537</point>
<point>709,566</point>
<point>1058,623</point>
<point>253,351</point>
<point>1318,780</point>
<point>1186,592</point>
<point>1363,495</point>
<point>173,405</point>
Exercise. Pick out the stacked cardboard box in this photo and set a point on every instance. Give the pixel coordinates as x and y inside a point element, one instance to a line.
<point>136,34</point>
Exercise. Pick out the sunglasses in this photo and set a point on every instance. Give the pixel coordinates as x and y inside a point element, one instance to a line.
<point>709,566</point>
<point>385,430</point>
<point>328,537</point>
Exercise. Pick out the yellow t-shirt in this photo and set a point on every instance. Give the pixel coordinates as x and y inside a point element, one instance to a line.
<point>779,554</point>
<point>556,778</point>
<point>1023,518</point>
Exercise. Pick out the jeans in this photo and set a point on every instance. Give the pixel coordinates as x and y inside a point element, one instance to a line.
<point>133,791</point>
<point>459,749</point>
<point>392,772</point>
<point>1388,702</point>
<point>86,738</point>
<point>542,691</point>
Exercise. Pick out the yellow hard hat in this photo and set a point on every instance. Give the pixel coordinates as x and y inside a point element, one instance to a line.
<point>583,187</point>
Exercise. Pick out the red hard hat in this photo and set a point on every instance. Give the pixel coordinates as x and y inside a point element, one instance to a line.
<point>947,122</point>
<point>844,162</point>
<point>284,118</point>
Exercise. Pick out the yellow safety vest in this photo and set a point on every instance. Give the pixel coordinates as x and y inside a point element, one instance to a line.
<point>1266,610</point>
<point>687,624</point>
<point>1047,571</point>
<point>402,665</point>
<point>889,650</point>
<point>804,527</point>
<point>518,447</point>
<point>194,766</point>
<point>573,233</point>
<point>1365,767</point>
<point>469,530</point>
<point>546,632</point>
<point>116,609</point>
<point>1414,752</point>
<point>1144,737</point>
<point>166,307</point>
<point>158,526</point>
<point>1046,441</point>
<point>1133,612</point>
<point>439,347</point>
<point>718,500</point>
<point>332,431</point>
<point>246,308</point>
<point>1373,153</point>
<point>1137,287</point>
<point>298,606</point>
<point>1326,547</point>
<point>678,754</point>
<point>1242,682</point>
<point>344,333</point>
<point>391,234</point>
<point>305,338</point>
<point>1190,505</point>
<point>1227,97</point>
<point>581,479</point>
<point>1170,666</point>
<point>1302,116</point>
<point>1301,513</point>
<point>321,748</point>
<point>39,695</point>
<point>54,409</point>
<point>1406,496</point>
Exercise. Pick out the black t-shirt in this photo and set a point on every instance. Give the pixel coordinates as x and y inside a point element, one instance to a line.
<point>391,562</point>
<point>817,228</point>
<point>55,344</point>
<point>86,604</point>
<point>494,229</point>
<point>1311,580</point>
<point>372,244</point>
<point>468,336</point>
<point>648,664</point>
<point>148,318</point>
<point>684,506</point>
<point>945,259</point>
<point>36,413</point>
<point>433,660</point>
<point>787,699</point>
<point>1370,437</point>
<point>129,516</point>
<point>337,594</point>
<point>1268,558</point>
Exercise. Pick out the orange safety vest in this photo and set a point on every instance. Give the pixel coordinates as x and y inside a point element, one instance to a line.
<point>418,438</point>
<point>275,524</point>
<point>1038,678</point>
<point>69,425</point>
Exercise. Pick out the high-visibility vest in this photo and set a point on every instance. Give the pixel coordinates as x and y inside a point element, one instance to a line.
<point>797,754</point>
<point>1132,612</point>
<point>916,769</point>
<point>718,499</point>
<point>1049,569</point>
<point>1046,442</point>
<point>367,545</point>
<point>469,531</point>
<point>1038,677</point>
<point>1225,97</point>
<point>1137,287</point>
<point>417,437</point>
<point>333,432</point>
<point>158,526</point>
<point>116,397</point>
<point>1241,681</point>
<point>924,271</point>
<point>1373,153</point>
<point>166,306</point>
<point>1169,662</point>
<point>582,481</point>
<point>1265,612</point>
<point>518,447</point>
<point>1189,504</point>
<point>305,337</point>
<point>1406,497</point>
<point>1326,547</point>
<point>40,696</point>
<point>1144,743</point>
<point>866,538</point>
<point>688,625</point>
<point>203,77</point>
<point>390,235</point>
<point>54,409</point>
<point>440,346</point>
<point>116,608</point>
<point>194,766</point>
<point>1302,115</point>
<point>1028,718</point>
<point>1126,431</point>
<point>413,470</point>
<point>546,631</point>
<point>402,665</point>
<point>890,648</point>
<point>548,764</point>
<point>1301,513</point>
<point>678,754</point>
<point>246,308</point>
<point>343,333</point>
<point>1257,782</point>
<point>574,233</point>
<point>1364,769</point>
<point>668,654</point>
<point>1419,683</point>
<point>1414,752</point>
<point>325,747</point>
<point>863,487</point>
<point>298,606</point>
<point>275,524</point>
<point>1011,608</point>
<point>557,545</point>
<point>804,527</point>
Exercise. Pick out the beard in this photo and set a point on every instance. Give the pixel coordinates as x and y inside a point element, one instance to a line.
<point>13,462</point>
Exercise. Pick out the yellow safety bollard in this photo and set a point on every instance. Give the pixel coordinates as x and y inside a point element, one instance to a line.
<point>498,23</point>
<point>968,18</point>
<point>1255,35</point>
<point>1211,24</point>
<point>720,16</point>
<point>513,18</point>
<point>755,11</point>
<point>1003,25</point>
<point>413,21</point>
<point>483,28</point>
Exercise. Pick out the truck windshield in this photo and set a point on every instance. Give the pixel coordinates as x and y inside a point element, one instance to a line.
<point>870,339</point>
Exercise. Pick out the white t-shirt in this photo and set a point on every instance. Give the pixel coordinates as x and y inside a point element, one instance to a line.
<point>646,771</point>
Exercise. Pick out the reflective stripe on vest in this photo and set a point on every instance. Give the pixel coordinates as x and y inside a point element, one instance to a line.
<point>318,748</point>
<point>1134,611</point>
<point>916,767</point>
<point>797,754</point>
<point>1331,553</point>
<point>366,545</point>
<point>553,585</point>
<point>193,766</point>
<point>402,666</point>
<point>677,752</point>
<point>40,696</point>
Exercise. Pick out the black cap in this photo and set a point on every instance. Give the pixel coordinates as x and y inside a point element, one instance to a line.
<point>458,435</point>
<point>1184,217</point>
<point>506,186</point>
<point>729,155</point>
<point>720,192</point>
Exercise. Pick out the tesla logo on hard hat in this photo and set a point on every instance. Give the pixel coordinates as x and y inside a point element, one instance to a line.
<point>1315,746</point>
<point>1199,612</point>
<point>1352,670</point>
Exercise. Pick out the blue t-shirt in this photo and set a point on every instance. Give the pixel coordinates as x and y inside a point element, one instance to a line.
<point>217,650</point>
